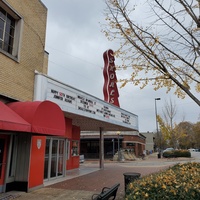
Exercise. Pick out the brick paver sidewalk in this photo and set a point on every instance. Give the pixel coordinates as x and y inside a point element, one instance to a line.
<point>110,175</point>
<point>82,187</point>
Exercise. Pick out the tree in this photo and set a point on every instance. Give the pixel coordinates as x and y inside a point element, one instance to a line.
<point>186,129</point>
<point>196,130</point>
<point>169,112</point>
<point>162,48</point>
<point>168,127</point>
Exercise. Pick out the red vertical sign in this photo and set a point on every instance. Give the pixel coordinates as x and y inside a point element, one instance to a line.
<point>110,89</point>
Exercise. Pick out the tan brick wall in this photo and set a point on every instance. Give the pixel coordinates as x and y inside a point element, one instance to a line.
<point>45,64</point>
<point>17,78</point>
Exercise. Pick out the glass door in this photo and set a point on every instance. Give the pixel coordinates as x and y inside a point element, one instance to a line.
<point>46,159</point>
<point>54,158</point>
<point>61,158</point>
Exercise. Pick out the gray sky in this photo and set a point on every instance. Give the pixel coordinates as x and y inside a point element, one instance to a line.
<point>76,46</point>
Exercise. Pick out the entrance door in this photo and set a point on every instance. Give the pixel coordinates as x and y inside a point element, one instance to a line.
<point>3,153</point>
<point>54,158</point>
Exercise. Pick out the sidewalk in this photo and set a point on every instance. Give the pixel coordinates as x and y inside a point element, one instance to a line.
<point>82,183</point>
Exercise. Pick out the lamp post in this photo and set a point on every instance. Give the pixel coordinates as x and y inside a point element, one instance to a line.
<point>113,141</point>
<point>118,133</point>
<point>157,99</point>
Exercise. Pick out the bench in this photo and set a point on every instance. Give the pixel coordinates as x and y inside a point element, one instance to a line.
<point>106,193</point>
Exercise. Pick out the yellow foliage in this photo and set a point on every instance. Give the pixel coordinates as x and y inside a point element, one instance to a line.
<point>146,195</point>
<point>164,187</point>
<point>118,25</point>
<point>123,84</point>
<point>169,183</point>
<point>198,87</point>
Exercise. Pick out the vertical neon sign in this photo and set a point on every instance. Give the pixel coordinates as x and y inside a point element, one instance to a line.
<point>110,89</point>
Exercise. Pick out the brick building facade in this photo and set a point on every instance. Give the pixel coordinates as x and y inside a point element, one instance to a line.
<point>135,141</point>
<point>126,140</point>
<point>28,54</point>
<point>40,117</point>
<point>23,141</point>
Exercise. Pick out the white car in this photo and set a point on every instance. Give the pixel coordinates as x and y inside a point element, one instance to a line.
<point>191,150</point>
<point>168,149</point>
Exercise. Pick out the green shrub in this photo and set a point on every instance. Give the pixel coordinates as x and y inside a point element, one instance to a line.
<point>182,153</point>
<point>180,182</point>
<point>177,153</point>
<point>168,154</point>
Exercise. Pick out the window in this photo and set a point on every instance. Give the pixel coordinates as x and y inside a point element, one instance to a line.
<point>75,148</point>
<point>7,29</point>
<point>10,28</point>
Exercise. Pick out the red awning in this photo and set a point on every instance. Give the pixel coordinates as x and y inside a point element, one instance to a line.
<point>45,117</point>
<point>11,121</point>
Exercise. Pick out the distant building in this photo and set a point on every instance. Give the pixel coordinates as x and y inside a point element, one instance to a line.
<point>150,136</point>
<point>127,140</point>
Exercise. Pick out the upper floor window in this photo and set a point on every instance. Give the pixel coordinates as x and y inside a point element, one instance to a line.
<point>7,30</point>
<point>10,31</point>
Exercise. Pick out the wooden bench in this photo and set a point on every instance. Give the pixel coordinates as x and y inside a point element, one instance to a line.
<point>106,193</point>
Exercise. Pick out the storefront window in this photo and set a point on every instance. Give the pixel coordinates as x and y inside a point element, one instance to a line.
<point>75,148</point>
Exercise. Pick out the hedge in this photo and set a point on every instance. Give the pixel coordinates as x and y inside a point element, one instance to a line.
<point>177,153</point>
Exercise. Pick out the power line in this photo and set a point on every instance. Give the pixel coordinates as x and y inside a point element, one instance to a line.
<point>83,60</point>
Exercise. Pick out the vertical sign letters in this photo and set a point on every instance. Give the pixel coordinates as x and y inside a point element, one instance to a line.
<point>110,89</point>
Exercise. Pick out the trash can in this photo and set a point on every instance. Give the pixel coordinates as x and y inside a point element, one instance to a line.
<point>129,177</point>
<point>159,155</point>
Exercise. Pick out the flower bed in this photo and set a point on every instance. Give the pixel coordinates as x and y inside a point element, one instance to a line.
<point>180,182</point>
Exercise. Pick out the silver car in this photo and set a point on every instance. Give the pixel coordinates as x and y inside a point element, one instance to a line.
<point>168,149</point>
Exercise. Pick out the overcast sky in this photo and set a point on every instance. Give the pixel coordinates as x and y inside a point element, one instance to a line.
<point>76,46</point>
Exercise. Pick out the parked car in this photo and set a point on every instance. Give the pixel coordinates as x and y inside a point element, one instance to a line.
<point>168,149</point>
<point>191,150</point>
<point>168,152</point>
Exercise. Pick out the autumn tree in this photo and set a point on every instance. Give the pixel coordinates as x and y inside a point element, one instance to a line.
<point>159,40</point>
<point>196,131</point>
<point>186,129</point>
<point>192,132</point>
<point>165,132</point>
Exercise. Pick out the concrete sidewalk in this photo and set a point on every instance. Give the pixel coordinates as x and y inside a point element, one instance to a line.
<point>81,184</point>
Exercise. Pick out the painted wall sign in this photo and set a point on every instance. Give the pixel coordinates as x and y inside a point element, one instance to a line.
<point>110,89</point>
<point>77,102</point>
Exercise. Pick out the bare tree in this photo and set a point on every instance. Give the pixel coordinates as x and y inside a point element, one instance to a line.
<point>168,127</point>
<point>162,48</point>
<point>169,113</point>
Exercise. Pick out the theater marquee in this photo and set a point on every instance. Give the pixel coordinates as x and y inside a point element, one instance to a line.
<point>77,102</point>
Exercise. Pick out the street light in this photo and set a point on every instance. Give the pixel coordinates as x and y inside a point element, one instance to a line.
<point>157,99</point>
<point>113,141</point>
<point>118,133</point>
